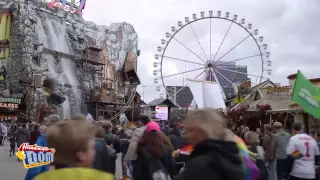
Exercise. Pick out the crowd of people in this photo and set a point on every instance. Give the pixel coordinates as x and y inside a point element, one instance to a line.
<point>152,151</point>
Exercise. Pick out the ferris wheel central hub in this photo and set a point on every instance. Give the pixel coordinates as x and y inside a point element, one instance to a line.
<point>210,65</point>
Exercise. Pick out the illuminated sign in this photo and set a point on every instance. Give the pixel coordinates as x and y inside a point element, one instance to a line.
<point>69,5</point>
<point>34,155</point>
<point>10,100</point>
<point>272,90</point>
<point>162,112</point>
<point>10,103</point>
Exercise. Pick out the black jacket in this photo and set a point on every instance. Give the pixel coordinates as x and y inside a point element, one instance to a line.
<point>178,142</point>
<point>140,172</point>
<point>213,159</point>
<point>104,159</point>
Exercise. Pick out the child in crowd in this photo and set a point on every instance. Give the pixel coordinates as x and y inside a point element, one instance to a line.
<point>13,143</point>
<point>74,144</point>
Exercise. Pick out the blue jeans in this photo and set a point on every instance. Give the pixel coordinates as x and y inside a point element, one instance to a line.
<point>124,167</point>
<point>271,168</point>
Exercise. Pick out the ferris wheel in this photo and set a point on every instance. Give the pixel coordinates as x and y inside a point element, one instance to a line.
<point>214,47</point>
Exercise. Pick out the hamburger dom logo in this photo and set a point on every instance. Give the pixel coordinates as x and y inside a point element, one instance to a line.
<point>34,155</point>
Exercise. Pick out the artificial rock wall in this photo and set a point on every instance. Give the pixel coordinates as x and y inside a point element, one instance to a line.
<point>35,27</point>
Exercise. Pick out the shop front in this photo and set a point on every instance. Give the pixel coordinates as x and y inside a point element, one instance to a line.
<point>265,105</point>
<point>10,109</point>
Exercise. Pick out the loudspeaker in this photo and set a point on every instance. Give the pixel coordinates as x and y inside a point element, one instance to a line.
<point>132,77</point>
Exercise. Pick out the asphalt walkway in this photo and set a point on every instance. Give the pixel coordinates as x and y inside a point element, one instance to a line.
<point>10,167</point>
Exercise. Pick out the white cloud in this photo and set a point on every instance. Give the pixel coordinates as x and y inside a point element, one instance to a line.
<point>289,27</point>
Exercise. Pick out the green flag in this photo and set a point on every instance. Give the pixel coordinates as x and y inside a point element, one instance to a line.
<point>305,94</point>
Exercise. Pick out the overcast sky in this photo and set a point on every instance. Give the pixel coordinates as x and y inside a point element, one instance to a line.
<point>289,28</point>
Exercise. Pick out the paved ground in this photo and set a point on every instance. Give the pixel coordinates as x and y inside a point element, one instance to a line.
<point>11,169</point>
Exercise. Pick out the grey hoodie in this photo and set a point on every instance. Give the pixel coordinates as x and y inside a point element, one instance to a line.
<point>282,139</point>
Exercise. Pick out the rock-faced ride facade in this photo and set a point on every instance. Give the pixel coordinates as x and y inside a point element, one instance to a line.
<point>60,63</point>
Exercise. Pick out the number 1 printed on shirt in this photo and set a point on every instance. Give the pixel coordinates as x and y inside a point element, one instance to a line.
<point>307,147</point>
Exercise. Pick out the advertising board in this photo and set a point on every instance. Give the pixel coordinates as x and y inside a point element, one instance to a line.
<point>162,112</point>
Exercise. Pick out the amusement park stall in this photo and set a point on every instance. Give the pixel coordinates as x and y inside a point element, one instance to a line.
<point>269,102</point>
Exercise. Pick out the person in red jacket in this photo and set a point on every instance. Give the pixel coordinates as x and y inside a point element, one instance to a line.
<point>34,134</point>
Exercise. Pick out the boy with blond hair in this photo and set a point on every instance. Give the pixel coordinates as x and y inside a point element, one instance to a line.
<point>74,142</point>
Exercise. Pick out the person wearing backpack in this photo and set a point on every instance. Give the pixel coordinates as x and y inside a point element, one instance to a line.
<point>269,147</point>
<point>154,161</point>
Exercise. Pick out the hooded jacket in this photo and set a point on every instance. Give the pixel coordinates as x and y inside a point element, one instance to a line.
<point>178,142</point>
<point>282,139</point>
<point>213,159</point>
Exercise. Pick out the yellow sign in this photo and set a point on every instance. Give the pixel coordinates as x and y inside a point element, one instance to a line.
<point>34,155</point>
<point>238,100</point>
<point>5,30</point>
<point>272,90</point>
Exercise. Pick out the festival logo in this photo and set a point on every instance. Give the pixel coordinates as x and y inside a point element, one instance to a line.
<point>68,5</point>
<point>34,155</point>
